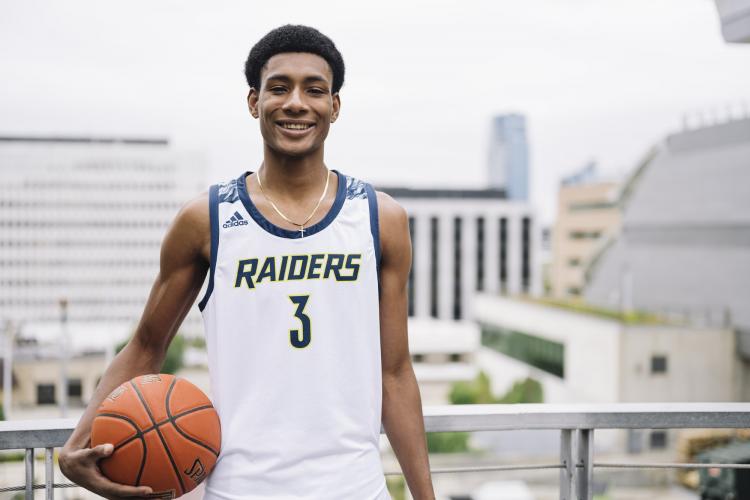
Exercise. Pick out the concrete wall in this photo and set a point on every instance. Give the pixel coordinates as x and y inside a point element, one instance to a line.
<point>701,365</point>
<point>591,345</point>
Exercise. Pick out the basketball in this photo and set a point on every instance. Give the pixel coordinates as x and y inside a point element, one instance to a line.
<point>165,432</point>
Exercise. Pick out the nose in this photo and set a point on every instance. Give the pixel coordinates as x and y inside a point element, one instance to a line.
<point>295,103</point>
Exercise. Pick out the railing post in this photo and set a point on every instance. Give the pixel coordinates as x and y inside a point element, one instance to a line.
<point>585,464</point>
<point>566,458</point>
<point>29,473</point>
<point>49,474</point>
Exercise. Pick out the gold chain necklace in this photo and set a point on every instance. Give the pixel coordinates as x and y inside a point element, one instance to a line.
<point>301,226</point>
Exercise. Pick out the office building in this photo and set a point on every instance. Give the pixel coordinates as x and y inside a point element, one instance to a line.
<point>508,161</point>
<point>598,356</point>
<point>588,213</point>
<point>464,241</point>
<point>81,222</point>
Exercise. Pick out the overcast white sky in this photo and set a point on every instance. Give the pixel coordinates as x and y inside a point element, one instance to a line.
<point>597,79</point>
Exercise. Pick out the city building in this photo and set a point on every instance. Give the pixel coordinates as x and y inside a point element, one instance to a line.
<point>685,239</point>
<point>442,353</point>
<point>42,350</point>
<point>734,16</point>
<point>464,241</point>
<point>588,213</point>
<point>599,356</point>
<point>81,222</point>
<point>508,159</point>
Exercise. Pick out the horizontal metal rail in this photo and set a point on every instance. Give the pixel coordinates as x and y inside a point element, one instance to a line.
<point>576,424</point>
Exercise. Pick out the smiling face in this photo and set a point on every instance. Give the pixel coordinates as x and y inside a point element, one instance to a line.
<point>294,103</point>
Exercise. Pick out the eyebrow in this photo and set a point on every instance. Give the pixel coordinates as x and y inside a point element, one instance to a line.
<point>287,79</point>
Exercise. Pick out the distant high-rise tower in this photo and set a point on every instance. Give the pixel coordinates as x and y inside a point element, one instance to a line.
<point>508,165</point>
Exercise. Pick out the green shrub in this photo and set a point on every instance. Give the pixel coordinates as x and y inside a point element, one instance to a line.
<point>523,391</point>
<point>447,442</point>
<point>396,487</point>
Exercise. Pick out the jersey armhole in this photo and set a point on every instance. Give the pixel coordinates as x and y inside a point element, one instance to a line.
<point>213,215</point>
<point>372,201</point>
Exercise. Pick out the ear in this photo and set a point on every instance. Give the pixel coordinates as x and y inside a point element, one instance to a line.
<point>336,107</point>
<point>252,102</point>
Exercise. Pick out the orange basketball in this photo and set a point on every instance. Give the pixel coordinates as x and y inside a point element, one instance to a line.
<point>165,432</point>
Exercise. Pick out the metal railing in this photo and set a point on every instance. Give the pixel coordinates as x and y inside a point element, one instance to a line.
<point>576,424</point>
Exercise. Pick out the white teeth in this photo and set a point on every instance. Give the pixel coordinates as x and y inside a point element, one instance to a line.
<point>296,126</point>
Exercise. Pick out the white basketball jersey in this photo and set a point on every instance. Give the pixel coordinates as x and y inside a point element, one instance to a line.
<point>293,339</point>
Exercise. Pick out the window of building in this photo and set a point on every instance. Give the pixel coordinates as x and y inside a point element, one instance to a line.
<point>503,253</point>
<point>74,388</point>
<point>658,440</point>
<point>525,254</point>
<point>536,351</point>
<point>480,253</point>
<point>658,364</point>
<point>434,267</point>
<point>418,358</point>
<point>457,312</point>
<point>574,262</point>
<point>411,269</point>
<point>45,394</point>
<point>455,357</point>
<point>584,235</point>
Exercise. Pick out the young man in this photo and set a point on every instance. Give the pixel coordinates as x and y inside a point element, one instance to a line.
<point>305,308</point>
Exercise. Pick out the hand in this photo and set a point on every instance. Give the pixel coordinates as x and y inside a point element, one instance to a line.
<point>80,466</point>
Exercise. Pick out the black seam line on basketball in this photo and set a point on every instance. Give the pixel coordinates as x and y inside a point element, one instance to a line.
<point>174,423</point>
<point>138,435</point>
<point>168,420</point>
<point>163,441</point>
<point>186,412</point>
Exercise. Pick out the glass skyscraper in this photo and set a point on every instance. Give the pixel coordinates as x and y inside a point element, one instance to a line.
<point>508,162</point>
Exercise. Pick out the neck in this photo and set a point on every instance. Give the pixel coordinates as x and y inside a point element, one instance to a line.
<point>293,177</point>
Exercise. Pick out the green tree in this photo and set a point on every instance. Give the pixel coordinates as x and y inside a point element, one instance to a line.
<point>173,361</point>
<point>527,390</point>
<point>479,391</point>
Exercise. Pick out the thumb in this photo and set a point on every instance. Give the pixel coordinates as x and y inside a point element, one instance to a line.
<point>104,450</point>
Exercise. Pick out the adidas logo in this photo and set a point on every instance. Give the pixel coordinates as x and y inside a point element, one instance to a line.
<point>235,220</point>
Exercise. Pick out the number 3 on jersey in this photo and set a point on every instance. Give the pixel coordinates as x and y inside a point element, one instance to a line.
<point>294,336</point>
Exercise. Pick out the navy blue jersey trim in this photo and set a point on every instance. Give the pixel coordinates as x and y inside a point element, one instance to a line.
<point>290,233</point>
<point>213,214</point>
<point>372,200</point>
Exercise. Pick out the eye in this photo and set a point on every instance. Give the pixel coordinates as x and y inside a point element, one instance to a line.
<point>316,90</point>
<point>277,89</point>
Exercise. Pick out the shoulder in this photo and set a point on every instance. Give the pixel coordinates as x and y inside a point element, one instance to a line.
<point>394,227</point>
<point>194,211</point>
<point>191,226</point>
<point>389,210</point>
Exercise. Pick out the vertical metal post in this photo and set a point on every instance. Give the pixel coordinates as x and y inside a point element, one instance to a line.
<point>566,457</point>
<point>29,473</point>
<point>49,474</point>
<point>8,370</point>
<point>64,347</point>
<point>585,464</point>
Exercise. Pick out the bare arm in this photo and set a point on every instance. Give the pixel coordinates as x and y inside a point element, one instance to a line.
<point>182,270</point>
<point>402,418</point>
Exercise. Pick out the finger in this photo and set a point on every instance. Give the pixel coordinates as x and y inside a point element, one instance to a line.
<point>101,451</point>
<point>110,488</point>
<point>117,490</point>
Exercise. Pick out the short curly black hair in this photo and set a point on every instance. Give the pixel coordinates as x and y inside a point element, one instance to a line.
<point>294,38</point>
